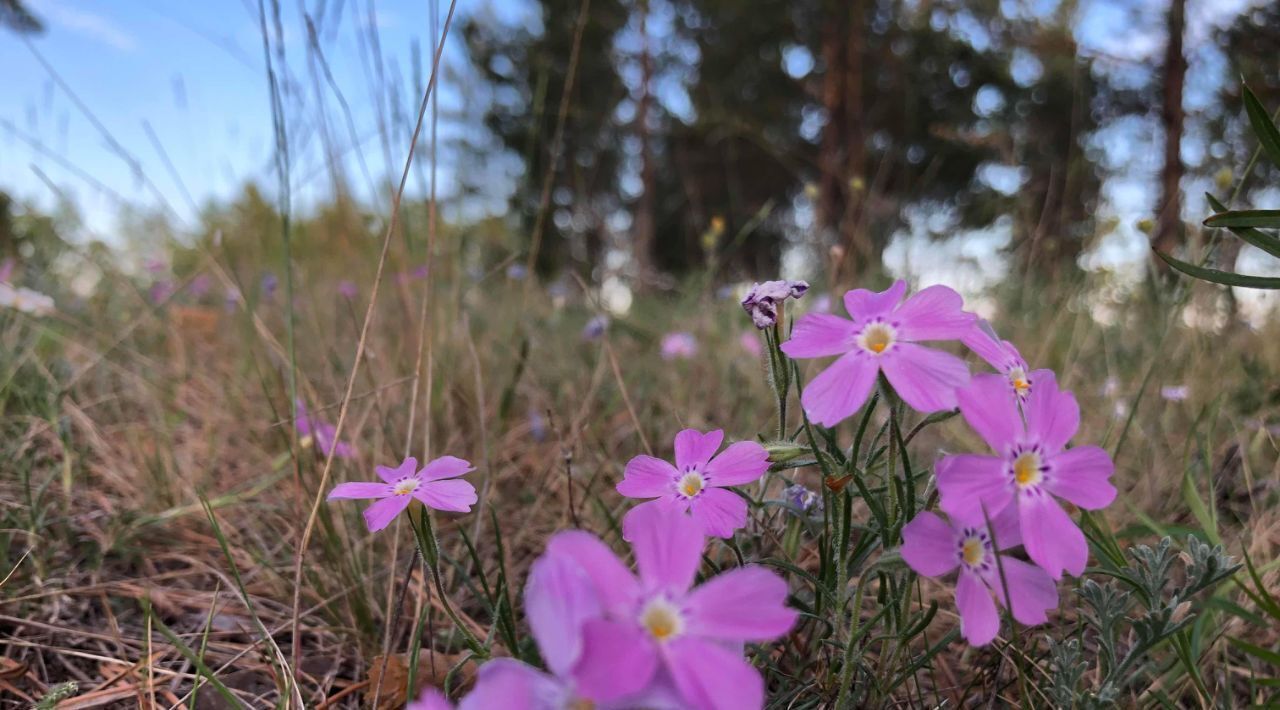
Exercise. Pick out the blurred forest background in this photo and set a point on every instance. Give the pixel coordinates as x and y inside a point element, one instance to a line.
<point>632,142</point>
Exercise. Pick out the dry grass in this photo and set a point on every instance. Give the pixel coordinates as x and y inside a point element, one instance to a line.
<point>119,418</point>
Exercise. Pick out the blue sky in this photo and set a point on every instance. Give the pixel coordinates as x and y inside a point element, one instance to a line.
<point>192,71</point>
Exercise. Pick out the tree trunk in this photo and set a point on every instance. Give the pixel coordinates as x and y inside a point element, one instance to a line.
<point>644,224</point>
<point>1168,230</point>
<point>832,187</point>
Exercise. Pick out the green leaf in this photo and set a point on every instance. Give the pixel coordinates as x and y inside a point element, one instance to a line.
<point>1225,278</point>
<point>1271,657</point>
<point>1264,219</point>
<point>1266,242</point>
<point>1266,131</point>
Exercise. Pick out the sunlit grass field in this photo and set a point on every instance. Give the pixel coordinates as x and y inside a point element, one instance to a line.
<point>157,495</point>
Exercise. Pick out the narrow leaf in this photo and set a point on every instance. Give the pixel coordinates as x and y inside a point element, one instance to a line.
<point>1225,278</point>
<point>1263,127</point>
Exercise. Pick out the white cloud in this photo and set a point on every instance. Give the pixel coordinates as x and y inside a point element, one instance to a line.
<point>86,24</point>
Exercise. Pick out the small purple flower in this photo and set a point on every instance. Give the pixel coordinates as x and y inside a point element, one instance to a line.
<point>558,290</point>
<point>162,291</point>
<point>750,342</point>
<point>420,272</point>
<point>803,499</point>
<point>199,286</point>
<point>6,270</point>
<point>269,284</point>
<point>517,272</point>
<point>933,547</point>
<point>321,433</point>
<point>1175,393</point>
<point>821,304</point>
<point>231,298</point>
<point>764,299</point>
<point>698,483</point>
<point>348,289</point>
<point>595,328</point>
<point>155,265</point>
<point>537,425</point>
<point>679,345</point>
<point>436,485</point>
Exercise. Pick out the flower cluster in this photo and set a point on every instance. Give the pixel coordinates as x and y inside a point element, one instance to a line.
<point>994,501</point>
<point>610,638</point>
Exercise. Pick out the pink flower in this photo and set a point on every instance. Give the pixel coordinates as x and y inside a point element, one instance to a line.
<point>348,289</point>
<point>435,486</point>
<point>321,433</point>
<point>750,342</point>
<point>697,483</point>
<point>430,699</point>
<point>764,300</point>
<point>679,345</point>
<point>559,599</point>
<point>1003,356</point>
<point>1031,466</point>
<point>933,548</point>
<point>882,338</point>
<point>659,629</point>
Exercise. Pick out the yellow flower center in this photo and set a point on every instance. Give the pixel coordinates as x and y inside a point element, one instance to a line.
<point>1026,469</point>
<point>661,620</point>
<point>1018,377</point>
<point>876,338</point>
<point>405,486</point>
<point>691,484</point>
<point>581,704</point>
<point>973,552</point>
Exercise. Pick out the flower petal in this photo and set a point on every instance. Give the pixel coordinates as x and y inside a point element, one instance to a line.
<point>864,305</point>
<point>719,512</point>
<point>1006,528</point>
<point>512,685</point>
<point>934,313</point>
<point>647,477</point>
<point>559,599</point>
<point>1000,354</point>
<point>1052,540</point>
<point>359,490</point>
<point>840,390</point>
<point>1052,415</point>
<point>615,586</point>
<point>450,495</point>
<point>1080,475</point>
<point>929,545</point>
<point>745,604</point>
<point>1031,589</point>
<point>972,483</point>
<point>820,335</point>
<point>695,449</point>
<point>979,622</point>
<point>925,378</point>
<point>617,659</point>
<point>445,467</point>
<point>391,474</point>
<point>380,514</point>
<point>743,462</point>
<point>711,677</point>
<point>987,405</point>
<point>430,699</point>
<point>668,547</point>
